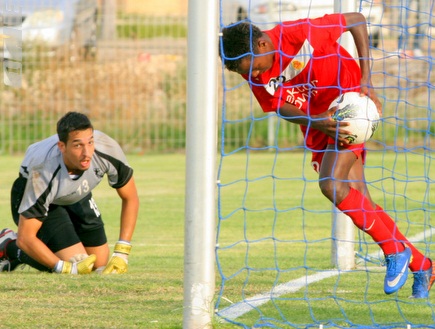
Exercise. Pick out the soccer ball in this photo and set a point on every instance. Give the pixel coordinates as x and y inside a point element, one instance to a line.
<point>360,112</point>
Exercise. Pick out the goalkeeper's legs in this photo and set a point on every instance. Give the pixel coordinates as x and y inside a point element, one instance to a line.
<point>89,226</point>
<point>95,243</point>
<point>16,257</point>
<point>57,233</point>
<point>102,252</point>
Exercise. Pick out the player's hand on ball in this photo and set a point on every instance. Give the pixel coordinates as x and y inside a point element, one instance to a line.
<point>118,263</point>
<point>84,265</point>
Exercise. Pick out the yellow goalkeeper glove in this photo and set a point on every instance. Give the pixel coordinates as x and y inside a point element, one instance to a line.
<point>84,266</point>
<point>118,263</point>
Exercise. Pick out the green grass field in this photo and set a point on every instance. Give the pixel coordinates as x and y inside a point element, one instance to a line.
<point>150,295</point>
<point>271,235</point>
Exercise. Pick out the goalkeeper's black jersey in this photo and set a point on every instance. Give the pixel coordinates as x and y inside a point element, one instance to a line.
<point>48,180</point>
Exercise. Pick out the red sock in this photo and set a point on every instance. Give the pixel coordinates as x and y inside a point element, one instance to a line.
<point>360,210</point>
<point>418,261</point>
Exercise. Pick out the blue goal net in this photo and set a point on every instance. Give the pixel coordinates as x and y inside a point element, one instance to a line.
<point>275,247</point>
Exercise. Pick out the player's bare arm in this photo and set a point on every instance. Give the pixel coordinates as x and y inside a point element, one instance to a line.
<point>357,26</point>
<point>129,210</point>
<point>118,263</point>
<point>322,122</point>
<point>28,242</point>
<point>31,244</point>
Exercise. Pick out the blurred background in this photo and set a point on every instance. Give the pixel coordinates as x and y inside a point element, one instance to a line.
<point>123,62</point>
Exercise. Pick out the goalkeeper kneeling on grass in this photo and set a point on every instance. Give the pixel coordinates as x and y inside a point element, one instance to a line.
<point>60,228</point>
<point>297,69</point>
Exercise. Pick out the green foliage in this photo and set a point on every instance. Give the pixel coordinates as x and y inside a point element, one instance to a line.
<point>148,28</point>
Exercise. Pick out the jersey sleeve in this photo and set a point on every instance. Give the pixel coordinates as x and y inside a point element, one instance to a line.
<point>313,38</point>
<point>39,192</point>
<point>320,32</point>
<point>39,169</point>
<point>110,152</point>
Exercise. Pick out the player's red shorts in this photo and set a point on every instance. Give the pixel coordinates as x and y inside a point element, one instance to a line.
<point>317,156</point>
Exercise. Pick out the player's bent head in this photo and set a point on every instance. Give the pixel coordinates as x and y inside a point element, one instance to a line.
<point>238,41</point>
<point>72,121</point>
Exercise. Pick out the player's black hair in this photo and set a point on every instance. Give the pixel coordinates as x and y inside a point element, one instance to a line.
<point>239,41</point>
<point>72,121</point>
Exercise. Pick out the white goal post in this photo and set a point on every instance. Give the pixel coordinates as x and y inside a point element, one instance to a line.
<point>343,229</point>
<point>201,142</point>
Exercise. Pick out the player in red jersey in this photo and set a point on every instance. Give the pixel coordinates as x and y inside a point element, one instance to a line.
<point>297,69</point>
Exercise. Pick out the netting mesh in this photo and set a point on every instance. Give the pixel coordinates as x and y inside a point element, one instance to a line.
<point>130,79</point>
<point>274,226</point>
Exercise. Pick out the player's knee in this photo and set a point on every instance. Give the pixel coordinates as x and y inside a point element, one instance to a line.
<point>20,242</point>
<point>332,190</point>
<point>102,253</point>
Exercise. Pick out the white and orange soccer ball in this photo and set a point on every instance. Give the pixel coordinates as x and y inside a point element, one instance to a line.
<point>360,112</point>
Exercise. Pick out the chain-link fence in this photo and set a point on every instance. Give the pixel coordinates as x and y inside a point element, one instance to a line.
<point>131,81</point>
<point>128,73</point>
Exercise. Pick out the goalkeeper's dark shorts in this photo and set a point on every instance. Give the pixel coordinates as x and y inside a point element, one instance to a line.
<point>65,226</point>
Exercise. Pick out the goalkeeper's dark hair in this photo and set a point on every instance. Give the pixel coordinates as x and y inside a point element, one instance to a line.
<point>239,41</point>
<point>72,121</point>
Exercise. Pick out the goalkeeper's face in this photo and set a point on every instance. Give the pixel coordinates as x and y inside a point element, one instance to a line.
<point>78,151</point>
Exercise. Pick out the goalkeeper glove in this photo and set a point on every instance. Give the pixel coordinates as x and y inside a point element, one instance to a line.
<point>83,266</point>
<point>118,263</point>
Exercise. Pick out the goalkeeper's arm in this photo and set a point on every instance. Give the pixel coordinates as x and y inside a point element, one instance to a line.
<point>118,263</point>
<point>34,248</point>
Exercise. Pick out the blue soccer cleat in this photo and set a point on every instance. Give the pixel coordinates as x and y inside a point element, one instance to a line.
<point>397,270</point>
<point>423,281</point>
